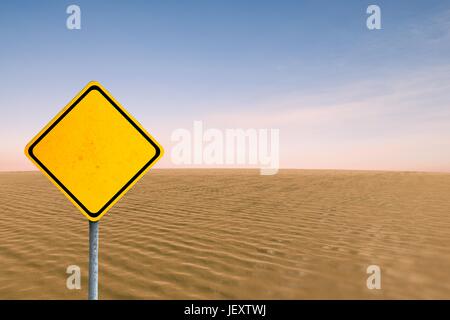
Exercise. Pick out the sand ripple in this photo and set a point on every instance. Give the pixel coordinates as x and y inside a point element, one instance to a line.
<point>213,234</point>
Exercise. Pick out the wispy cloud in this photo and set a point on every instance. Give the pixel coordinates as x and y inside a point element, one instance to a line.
<point>401,122</point>
<point>424,92</point>
<point>435,29</point>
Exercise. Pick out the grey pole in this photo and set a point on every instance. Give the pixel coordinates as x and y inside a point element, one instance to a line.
<point>93,260</point>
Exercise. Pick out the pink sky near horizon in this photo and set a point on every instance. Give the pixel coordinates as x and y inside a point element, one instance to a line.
<point>333,130</point>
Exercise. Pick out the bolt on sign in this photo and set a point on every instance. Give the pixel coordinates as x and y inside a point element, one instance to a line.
<point>94,151</point>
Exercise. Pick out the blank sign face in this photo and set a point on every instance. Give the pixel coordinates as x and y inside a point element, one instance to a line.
<point>94,151</point>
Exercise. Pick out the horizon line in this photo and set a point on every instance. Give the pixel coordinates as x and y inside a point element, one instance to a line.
<point>283,169</point>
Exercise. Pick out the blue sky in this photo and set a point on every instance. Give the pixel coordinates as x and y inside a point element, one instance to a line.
<point>342,96</point>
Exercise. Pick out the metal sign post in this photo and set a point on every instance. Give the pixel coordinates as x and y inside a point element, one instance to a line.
<point>93,260</point>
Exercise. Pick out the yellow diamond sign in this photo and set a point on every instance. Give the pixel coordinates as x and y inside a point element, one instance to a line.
<point>94,151</point>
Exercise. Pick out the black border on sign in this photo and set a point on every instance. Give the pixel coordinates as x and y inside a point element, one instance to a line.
<point>157,149</point>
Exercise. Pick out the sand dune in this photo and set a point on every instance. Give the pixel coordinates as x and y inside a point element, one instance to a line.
<point>214,234</point>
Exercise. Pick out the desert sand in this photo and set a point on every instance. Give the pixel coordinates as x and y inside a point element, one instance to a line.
<point>233,234</point>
